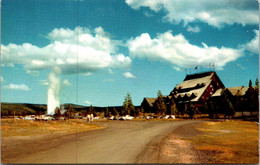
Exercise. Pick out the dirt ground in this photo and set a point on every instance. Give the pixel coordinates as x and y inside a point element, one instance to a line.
<point>120,142</point>
<point>134,142</point>
<point>207,143</point>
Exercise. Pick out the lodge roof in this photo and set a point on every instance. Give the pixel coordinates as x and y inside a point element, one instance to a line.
<point>218,92</point>
<point>194,86</point>
<point>150,101</point>
<point>238,91</point>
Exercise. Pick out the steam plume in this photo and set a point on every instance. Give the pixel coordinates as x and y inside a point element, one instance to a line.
<point>53,91</point>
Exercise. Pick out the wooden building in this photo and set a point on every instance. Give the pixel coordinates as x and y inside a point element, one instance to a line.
<point>147,105</point>
<point>197,89</point>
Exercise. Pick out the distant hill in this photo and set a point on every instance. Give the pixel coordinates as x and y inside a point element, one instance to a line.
<point>29,109</point>
<point>22,108</point>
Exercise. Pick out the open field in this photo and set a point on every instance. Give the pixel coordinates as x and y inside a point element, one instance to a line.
<point>26,128</point>
<point>120,142</point>
<point>229,141</point>
<point>138,141</point>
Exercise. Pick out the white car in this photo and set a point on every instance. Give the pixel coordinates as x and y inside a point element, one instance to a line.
<point>28,118</point>
<point>127,117</point>
<point>111,118</point>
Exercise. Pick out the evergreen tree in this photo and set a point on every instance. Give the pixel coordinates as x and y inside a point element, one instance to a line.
<point>227,105</point>
<point>83,113</point>
<point>252,99</point>
<point>190,110</point>
<point>257,84</point>
<point>137,112</point>
<point>173,108</point>
<point>71,112</point>
<point>57,113</point>
<point>250,83</point>
<point>114,112</point>
<point>142,111</point>
<point>91,110</point>
<point>160,107</point>
<point>128,107</point>
<point>106,113</point>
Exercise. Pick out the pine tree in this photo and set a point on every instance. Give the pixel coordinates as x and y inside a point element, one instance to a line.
<point>114,112</point>
<point>160,107</point>
<point>106,113</point>
<point>227,105</point>
<point>257,84</point>
<point>91,110</point>
<point>128,107</point>
<point>190,110</point>
<point>173,107</point>
<point>57,113</point>
<point>250,83</point>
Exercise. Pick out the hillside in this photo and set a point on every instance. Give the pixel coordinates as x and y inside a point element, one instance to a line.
<point>28,109</point>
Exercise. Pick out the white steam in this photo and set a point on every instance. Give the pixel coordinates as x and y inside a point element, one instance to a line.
<point>53,91</point>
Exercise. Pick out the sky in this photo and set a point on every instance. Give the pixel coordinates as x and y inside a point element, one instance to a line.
<point>98,50</point>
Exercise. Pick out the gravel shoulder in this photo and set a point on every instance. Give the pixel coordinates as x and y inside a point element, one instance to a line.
<point>120,142</point>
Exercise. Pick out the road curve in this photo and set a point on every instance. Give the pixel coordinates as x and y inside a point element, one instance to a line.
<point>121,142</point>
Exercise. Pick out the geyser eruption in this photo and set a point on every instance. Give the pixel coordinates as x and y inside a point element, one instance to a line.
<point>53,91</point>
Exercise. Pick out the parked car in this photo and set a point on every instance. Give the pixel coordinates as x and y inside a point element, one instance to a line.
<point>127,117</point>
<point>111,118</point>
<point>29,118</point>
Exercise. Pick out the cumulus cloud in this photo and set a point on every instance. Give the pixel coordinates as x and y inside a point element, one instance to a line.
<point>215,13</point>
<point>178,51</point>
<point>176,68</point>
<point>21,87</point>
<point>44,82</point>
<point>73,51</point>
<point>66,82</point>
<point>253,45</point>
<point>129,75</point>
<point>87,102</point>
<point>194,29</point>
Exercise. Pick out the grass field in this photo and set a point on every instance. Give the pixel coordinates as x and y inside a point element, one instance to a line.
<point>16,127</point>
<point>229,141</point>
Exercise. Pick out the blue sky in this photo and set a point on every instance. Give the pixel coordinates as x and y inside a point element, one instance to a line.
<point>104,49</point>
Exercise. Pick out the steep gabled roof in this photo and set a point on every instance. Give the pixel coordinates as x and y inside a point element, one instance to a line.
<point>194,85</point>
<point>150,101</point>
<point>217,93</point>
<point>238,91</point>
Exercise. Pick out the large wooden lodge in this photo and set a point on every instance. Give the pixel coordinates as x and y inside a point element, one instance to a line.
<point>197,89</point>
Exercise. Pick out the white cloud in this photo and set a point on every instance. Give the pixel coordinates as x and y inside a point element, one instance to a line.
<point>147,14</point>
<point>66,82</point>
<point>241,67</point>
<point>176,68</point>
<point>194,29</point>
<point>178,51</point>
<point>215,13</point>
<point>44,82</point>
<point>73,51</point>
<point>129,75</point>
<point>21,87</point>
<point>87,102</point>
<point>253,45</point>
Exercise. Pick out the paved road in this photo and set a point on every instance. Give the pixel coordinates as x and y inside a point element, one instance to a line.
<point>121,142</point>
